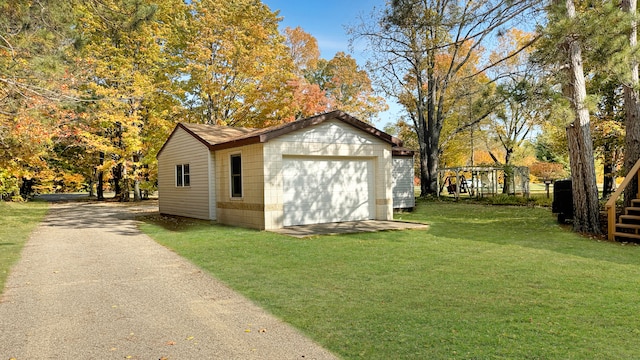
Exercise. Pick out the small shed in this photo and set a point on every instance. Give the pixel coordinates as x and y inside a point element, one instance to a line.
<point>326,168</point>
<point>402,178</point>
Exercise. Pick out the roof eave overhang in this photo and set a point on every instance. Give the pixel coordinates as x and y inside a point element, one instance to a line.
<point>402,152</point>
<point>237,143</point>
<point>336,114</point>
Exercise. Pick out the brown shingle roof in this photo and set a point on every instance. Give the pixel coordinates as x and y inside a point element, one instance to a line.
<point>224,137</point>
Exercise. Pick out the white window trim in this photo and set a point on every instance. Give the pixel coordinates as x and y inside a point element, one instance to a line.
<point>183,177</point>
<point>231,176</point>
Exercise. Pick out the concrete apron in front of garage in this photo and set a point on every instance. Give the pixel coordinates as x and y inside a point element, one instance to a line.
<point>348,227</point>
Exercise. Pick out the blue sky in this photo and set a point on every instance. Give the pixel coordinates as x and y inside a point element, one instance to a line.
<point>326,21</point>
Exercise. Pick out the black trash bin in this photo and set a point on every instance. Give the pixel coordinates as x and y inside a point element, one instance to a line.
<point>562,200</point>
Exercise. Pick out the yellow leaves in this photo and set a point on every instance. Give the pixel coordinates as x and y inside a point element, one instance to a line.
<point>261,330</point>
<point>509,45</point>
<point>237,64</point>
<point>303,48</point>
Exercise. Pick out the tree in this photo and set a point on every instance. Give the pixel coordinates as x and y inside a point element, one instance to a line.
<point>584,189</point>
<point>236,64</point>
<point>347,87</point>
<point>303,48</point>
<point>126,79</point>
<point>322,85</point>
<point>308,98</point>
<point>420,49</point>
<point>631,102</point>
<point>594,34</point>
<point>525,97</point>
<point>35,38</point>
<point>608,130</point>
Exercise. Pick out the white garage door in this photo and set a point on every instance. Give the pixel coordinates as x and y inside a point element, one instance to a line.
<point>323,190</point>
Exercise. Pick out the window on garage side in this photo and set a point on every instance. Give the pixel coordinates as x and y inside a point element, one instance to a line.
<point>236,175</point>
<point>182,175</point>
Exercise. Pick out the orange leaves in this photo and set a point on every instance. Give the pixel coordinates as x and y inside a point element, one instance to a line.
<point>308,99</point>
<point>303,48</point>
<point>547,170</point>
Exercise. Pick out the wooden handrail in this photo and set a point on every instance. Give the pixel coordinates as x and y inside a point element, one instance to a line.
<point>611,203</point>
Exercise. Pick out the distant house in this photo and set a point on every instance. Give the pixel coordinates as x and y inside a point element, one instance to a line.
<point>326,168</point>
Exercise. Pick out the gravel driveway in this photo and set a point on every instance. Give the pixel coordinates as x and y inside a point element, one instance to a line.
<point>89,285</point>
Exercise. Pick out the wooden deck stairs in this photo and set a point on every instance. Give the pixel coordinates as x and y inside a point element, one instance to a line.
<point>628,225</point>
<point>625,227</point>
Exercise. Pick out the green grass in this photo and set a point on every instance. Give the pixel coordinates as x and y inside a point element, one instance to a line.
<point>484,282</point>
<point>17,220</point>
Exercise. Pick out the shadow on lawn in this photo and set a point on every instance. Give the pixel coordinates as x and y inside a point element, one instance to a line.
<point>174,223</point>
<point>534,233</point>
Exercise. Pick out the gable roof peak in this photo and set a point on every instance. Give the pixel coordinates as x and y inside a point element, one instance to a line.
<point>217,137</point>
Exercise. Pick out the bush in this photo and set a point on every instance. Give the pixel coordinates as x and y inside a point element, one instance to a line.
<point>9,187</point>
<point>504,199</point>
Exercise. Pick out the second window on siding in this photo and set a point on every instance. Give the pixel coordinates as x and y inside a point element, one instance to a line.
<point>236,176</point>
<point>182,175</point>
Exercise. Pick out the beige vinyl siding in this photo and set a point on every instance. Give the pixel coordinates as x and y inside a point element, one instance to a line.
<point>330,139</point>
<point>248,210</point>
<point>403,188</point>
<point>191,201</point>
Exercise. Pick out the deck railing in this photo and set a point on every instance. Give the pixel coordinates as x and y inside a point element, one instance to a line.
<point>610,206</point>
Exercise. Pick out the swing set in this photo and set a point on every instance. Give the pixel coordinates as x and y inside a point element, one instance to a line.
<point>480,181</point>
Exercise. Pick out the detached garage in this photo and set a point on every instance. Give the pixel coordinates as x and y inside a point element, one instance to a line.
<point>327,168</point>
<point>323,190</point>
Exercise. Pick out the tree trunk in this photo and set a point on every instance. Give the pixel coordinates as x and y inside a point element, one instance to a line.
<point>586,208</point>
<point>124,194</point>
<point>508,173</point>
<point>26,188</point>
<point>100,189</point>
<point>424,170</point>
<point>632,108</point>
<point>431,135</point>
<point>117,179</point>
<point>432,172</point>
<point>91,183</point>
<point>137,195</point>
<point>609,184</point>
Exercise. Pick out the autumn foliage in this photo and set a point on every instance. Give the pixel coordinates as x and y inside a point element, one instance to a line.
<point>89,90</point>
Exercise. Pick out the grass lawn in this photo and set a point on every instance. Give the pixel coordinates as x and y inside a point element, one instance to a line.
<point>17,220</point>
<point>484,282</point>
